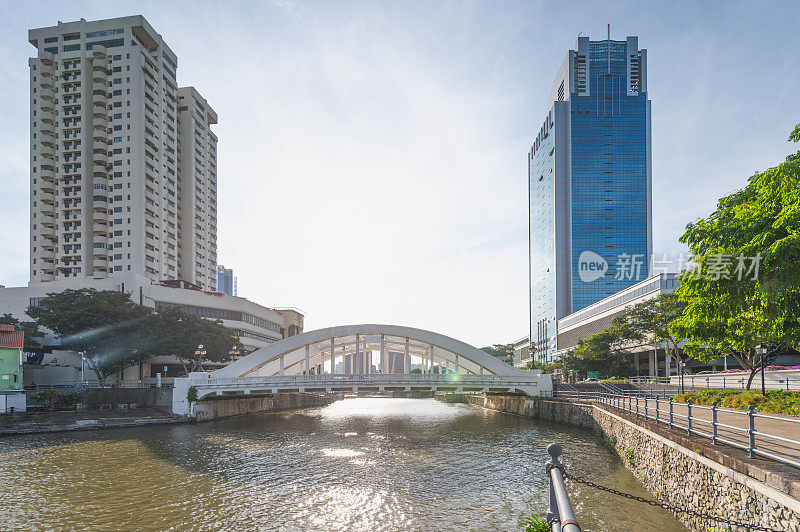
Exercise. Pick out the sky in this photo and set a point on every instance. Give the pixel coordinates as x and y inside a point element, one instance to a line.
<point>372,155</point>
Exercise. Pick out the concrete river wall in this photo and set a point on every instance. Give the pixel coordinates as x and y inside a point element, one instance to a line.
<point>679,470</point>
<point>216,407</point>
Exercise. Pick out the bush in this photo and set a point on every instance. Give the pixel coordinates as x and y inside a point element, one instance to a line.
<point>70,399</point>
<point>534,523</point>
<point>191,395</point>
<point>774,402</point>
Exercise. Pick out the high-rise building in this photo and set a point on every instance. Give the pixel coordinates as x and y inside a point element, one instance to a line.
<point>123,162</point>
<point>589,175</point>
<point>226,281</point>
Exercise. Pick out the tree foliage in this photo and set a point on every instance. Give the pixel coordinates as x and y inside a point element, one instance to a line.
<point>180,334</point>
<point>604,352</point>
<point>113,332</point>
<point>104,325</point>
<point>30,328</point>
<point>735,314</point>
<point>650,322</point>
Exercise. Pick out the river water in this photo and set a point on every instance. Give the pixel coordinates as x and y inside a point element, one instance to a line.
<point>357,464</point>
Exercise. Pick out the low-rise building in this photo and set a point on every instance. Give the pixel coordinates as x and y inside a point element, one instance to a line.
<point>255,325</point>
<point>12,395</point>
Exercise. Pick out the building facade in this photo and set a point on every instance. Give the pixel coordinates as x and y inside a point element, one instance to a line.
<point>12,395</point>
<point>123,163</point>
<point>226,281</point>
<point>589,175</point>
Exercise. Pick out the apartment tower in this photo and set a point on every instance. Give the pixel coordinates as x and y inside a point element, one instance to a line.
<point>589,176</point>
<point>123,161</point>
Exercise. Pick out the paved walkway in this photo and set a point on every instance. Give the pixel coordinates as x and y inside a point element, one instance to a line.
<point>732,426</point>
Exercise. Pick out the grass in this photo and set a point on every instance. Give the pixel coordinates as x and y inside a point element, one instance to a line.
<point>775,402</point>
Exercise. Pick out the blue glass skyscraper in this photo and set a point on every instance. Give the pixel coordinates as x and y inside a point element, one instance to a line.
<point>590,193</point>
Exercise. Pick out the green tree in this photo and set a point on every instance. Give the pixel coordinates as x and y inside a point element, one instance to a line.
<point>179,334</point>
<point>755,305</point>
<point>105,325</point>
<point>30,328</point>
<point>650,321</point>
<point>604,352</point>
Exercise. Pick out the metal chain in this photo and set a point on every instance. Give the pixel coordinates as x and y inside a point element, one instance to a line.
<point>666,506</point>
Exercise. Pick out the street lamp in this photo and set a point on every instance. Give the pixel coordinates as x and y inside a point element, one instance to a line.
<point>200,352</point>
<point>510,353</point>
<point>762,350</point>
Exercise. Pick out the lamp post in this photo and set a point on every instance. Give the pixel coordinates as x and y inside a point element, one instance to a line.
<point>762,350</point>
<point>200,352</point>
<point>510,353</point>
<point>681,364</point>
<point>83,360</point>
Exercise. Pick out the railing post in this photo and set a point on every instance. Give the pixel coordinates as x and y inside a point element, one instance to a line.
<point>637,406</point>
<point>656,409</point>
<point>560,515</point>
<point>751,431</point>
<point>645,407</point>
<point>670,412</point>
<point>689,417</point>
<point>714,423</point>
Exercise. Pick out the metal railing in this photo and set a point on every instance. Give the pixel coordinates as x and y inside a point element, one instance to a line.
<point>560,516</point>
<point>729,381</point>
<point>754,432</point>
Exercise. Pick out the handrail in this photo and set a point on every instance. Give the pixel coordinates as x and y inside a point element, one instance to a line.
<point>641,406</point>
<point>560,516</point>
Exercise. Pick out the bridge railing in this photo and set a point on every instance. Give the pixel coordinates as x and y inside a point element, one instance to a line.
<point>765,435</point>
<point>376,378</point>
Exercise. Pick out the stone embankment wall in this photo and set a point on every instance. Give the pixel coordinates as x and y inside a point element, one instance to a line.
<point>225,407</point>
<point>680,470</point>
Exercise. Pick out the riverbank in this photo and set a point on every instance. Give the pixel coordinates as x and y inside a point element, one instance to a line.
<point>680,470</point>
<point>43,422</point>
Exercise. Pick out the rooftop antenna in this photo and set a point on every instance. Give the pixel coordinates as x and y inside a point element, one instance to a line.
<point>609,49</point>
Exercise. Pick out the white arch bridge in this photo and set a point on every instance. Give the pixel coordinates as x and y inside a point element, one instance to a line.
<point>361,357</point>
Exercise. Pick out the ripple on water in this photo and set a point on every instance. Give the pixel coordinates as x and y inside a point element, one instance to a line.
<point>360,464</point>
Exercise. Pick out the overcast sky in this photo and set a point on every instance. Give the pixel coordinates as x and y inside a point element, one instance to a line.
<point>372,155</point>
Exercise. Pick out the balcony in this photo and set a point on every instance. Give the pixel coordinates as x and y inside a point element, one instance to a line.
<point>100,228</point>
<point>48,221</point>
<point>100,157</point>
<point>99,77</point>
<point>48,175</point>
<point>48,255</point>
<point>47,117</point>
<point>47,198</point>
<point>46,58</point>
<point>48,210</point>
<point>99,135</point>
<point>100,215</point>
<point>47,275</point>
<point>100,168</point>
<point>48,130</point>
<point>100,263</point>
<point>46,95</point>
<point>100,97</point>
<point>48,232</point>
<point>47,152</point>
<point>100,145</point>
<point>100,239</point>
<point>100,86</point>
<point>98,51</point>
<point>99,123</point>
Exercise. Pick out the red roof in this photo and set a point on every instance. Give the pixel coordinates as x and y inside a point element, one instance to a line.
<point>9,337</point>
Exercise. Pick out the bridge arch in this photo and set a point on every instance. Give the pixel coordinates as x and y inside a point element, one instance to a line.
<point>365,349</point>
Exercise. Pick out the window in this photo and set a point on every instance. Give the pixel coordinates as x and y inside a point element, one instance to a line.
<point>48,40</point>
<point>113,43</point>
<point>72,47</point>
<point>105,33</point>
<point>72,36</point>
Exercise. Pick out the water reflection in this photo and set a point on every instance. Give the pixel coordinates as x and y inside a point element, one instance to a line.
<point>358,464</point>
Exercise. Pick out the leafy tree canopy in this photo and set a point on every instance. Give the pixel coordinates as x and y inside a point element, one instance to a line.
<point>755,231</point>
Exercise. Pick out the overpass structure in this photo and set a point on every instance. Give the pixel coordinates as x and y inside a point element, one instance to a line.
<point>360,357</point>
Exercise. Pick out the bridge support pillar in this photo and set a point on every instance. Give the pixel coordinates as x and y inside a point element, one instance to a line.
<point>380,389</point>
<point>219,392</point>
<point>384,366</point>
<point>328,389</point>
<point>301,390</point>
<point>247,392</point>
<point>408,388</point>
<point>307,359</point>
